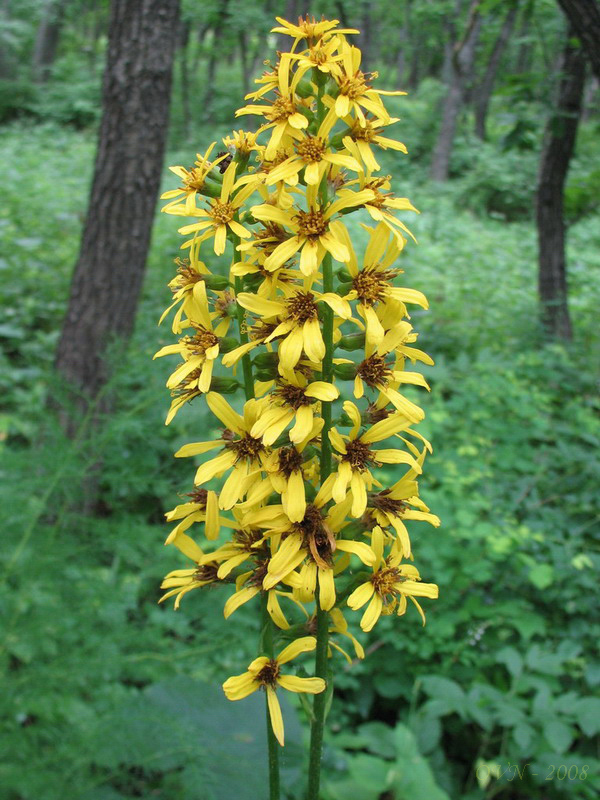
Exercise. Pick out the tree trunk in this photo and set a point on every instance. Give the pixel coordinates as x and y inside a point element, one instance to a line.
<point>484,91</point>
<point>524,53</point>
<point>214,57</point>
<point>110,268</point>
<point>460,73</point>
<point>584,18</point>
<point>47,37</point>
<point>559,143</point>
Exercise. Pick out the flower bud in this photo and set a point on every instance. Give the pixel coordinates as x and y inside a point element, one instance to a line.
<point>227,344</point>
<point>346,372</point>
<point>304,88</point>
<point>216,282</point>
<point>224,385</point>
<point>266,360</point>
<point>352,341</point>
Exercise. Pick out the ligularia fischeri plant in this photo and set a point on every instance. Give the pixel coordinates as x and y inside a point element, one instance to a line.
<point>288,500</point>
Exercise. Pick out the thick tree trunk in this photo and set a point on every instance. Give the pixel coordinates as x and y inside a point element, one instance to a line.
<point>559,144</point>
<point>460,74</point>
<point>110,268</point>
<point>584,18</point>
<point>484,91</point>
<point>47,38</point>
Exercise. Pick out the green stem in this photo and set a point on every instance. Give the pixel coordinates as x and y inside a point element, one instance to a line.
<point>241,319</point>
<point>266,641</point>
<point>267,647</point>
<point>322,633</point>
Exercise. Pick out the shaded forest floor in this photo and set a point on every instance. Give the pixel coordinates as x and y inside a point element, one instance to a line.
<point>101,680</point>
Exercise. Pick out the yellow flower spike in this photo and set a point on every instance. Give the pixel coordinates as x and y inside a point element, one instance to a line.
<point>290,472</point>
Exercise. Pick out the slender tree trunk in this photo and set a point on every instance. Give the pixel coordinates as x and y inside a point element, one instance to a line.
<point>184,74</point>
<point>213,59</point>
<point>366,34</point>
<point>47,38</point>
<point>559,143</point>
<point>110,268</point>
<point>484,91</point>
<point>461,72</point>
<point>523,36</point>
<point>584,17</point>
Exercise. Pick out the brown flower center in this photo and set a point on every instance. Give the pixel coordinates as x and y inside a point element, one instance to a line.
<point>359,455</point>
<point>246,539</point>
<point>290,460</point>
<point>302,307</point>
<point>207,572</point>
<point>201,341</point>
<point>282,109</point>
<point>311,223</point>
<point>355,86</point>
<point>311,149</point>
<point>383,502</point>
<point>246,447</point>
<point>222,213</point>
<point>317,537</point>
<point>269,673</point>
<point>384,581</point>
<point>370,284</point>
<point>188,386</point>
<point>374,371</point>
<point>198,496</point>
<point>380,198</point>
<point>186,275</point>
<point>366,134</point>
<point>293,395</point>
<point>194,180</point>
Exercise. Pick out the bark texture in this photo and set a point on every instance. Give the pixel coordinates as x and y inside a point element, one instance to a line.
<point>484,91</point>
<point>47,38</point>
<point>461,69</point>
<point>559,143</point>
<point>584,18</point>
<point>108,274</point>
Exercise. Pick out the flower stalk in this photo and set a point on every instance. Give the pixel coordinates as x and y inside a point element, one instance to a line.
<point>293,497</point>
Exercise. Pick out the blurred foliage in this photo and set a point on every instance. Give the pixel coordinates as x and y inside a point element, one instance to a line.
<point>107,695</point>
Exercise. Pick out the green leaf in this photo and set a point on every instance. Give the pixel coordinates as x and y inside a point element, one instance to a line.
<point>587,714</point>
<point>512,659</point>
<point>558,734</point>
<point>542,575</point>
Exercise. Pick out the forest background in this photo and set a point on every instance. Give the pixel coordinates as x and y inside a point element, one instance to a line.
<point>107,695</point>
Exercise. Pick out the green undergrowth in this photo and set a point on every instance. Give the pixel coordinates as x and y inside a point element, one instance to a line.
<point>110,693</point>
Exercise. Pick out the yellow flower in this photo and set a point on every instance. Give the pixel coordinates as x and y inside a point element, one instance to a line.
<point>283,113</point>
<point>219,218</point>
<point>296,320</point>
<point>203,507</point>
<point>394,505</point>
<point>266,672</point>
<point>186,292</point>
<point>242,453</point>
<point>372,284</point>
<point>193,181</point>
<point>293,401</point>
<point>389,586</point>
<point>311,540</point>
<point>199,351</point>
<point>309,29</point>
<point>339,625</point>
<point>355,91</point>
<point>182,581</point>
<point>356,456</point>
<point>286,475</point>
<point>313,156</point>
<point>312,234</point>
<point>322,55</point>
<point>362,136</point>
<point>380,201</point>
